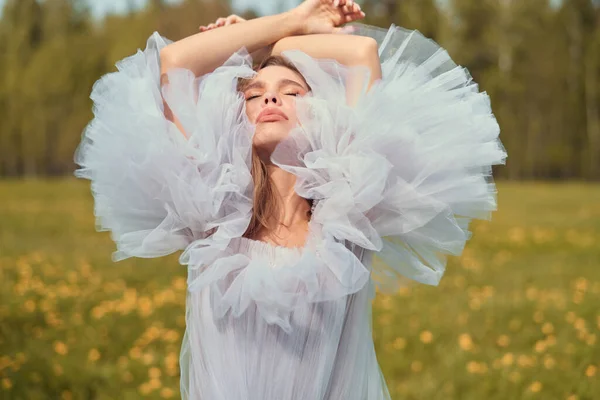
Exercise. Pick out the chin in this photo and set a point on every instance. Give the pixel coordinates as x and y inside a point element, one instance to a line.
<point>273,132</point>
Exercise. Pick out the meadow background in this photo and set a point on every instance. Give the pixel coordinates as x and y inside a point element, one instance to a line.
<point>517,316</point>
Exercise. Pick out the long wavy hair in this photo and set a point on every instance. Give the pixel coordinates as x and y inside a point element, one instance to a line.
<point>265,203</point>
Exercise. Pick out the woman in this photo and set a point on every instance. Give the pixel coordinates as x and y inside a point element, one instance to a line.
<point>281,182</point>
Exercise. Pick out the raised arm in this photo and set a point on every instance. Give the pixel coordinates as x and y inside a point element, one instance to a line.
<point>349,50</point>
<point>204,51</point>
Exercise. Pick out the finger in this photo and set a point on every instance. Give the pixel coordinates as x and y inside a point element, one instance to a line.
<point>354,16</point>
<point>350,9</point>
<point>232,19</point>
<point>211,26</point>
<point>220,21</point>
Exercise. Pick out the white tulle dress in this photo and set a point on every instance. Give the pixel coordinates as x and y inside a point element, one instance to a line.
<point>399,175</point>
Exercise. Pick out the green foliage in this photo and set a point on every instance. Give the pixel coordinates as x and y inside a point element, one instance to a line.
<point>538,61</point>
<point>516,317</point>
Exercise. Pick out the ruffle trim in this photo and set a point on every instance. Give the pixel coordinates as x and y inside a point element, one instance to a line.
<point>244,273</point>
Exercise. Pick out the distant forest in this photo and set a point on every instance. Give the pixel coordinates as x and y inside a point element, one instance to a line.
<point>538,60</point>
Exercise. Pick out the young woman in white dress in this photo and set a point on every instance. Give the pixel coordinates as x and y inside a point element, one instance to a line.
<point>281,180</point>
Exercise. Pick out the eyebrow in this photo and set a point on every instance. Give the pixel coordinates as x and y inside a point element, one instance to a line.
<point>282,82</point>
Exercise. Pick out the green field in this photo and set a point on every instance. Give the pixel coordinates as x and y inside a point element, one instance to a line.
<point>516,317</point>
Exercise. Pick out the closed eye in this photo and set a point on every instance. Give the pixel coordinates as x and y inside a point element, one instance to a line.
<point>295,94</point>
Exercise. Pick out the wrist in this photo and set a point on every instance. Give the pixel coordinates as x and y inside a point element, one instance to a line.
<point>294,21</point>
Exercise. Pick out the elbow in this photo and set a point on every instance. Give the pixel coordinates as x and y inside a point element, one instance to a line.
<point>368,54</point>
<point>368,48</point>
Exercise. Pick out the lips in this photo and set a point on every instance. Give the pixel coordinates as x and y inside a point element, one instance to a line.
<point>271,115</point>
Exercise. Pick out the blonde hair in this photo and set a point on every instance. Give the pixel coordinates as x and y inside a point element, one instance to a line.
<point>265,203</point>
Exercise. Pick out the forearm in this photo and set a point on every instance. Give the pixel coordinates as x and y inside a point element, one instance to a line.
<point>205,51</point>
<point>349,50</point>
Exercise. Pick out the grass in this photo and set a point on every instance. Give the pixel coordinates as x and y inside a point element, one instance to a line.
<point>516,317</point>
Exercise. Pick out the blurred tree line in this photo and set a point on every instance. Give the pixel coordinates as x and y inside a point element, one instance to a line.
<point>539,60</point>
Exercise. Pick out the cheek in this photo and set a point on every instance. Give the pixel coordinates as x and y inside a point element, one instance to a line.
<point>291,111</point>
<point>251,111</point>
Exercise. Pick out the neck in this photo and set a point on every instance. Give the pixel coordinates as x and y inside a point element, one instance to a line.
<point>293,209</point>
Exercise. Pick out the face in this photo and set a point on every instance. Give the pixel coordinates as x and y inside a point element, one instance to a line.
<point>271,104</point>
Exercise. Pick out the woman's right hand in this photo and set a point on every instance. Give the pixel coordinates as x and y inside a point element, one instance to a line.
<point>232,19</point>
<point>326,16</point>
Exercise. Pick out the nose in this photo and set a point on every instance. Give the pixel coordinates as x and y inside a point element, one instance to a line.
<point>271,97</point>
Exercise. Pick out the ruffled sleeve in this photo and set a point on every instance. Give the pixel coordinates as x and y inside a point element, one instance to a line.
<point>155,190</point>
<point>404,171</point>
